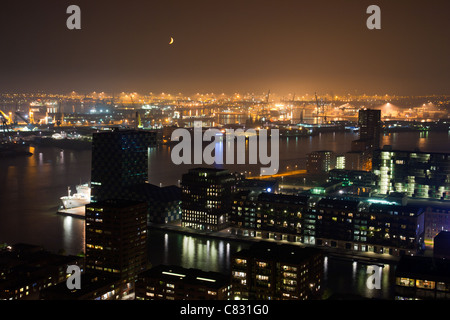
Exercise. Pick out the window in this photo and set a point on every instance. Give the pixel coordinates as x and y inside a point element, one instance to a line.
<point>261,264</point>
<point>425,284</point>
<point>405,282</point>
<point>238,274</point>
<point>442,286</point>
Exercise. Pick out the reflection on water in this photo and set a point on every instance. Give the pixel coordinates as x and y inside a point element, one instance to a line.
<point>190,251</point>
<point>341,276</point>
<point>30,188</point>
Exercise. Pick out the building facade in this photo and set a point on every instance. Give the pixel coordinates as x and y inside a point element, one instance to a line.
<point>354,225</point>
<point>437,219</point>
<point>116,239</point>
<point>418,174</point>
<point>268,271</point>
<point>206,198</point>
<point>320,161</point>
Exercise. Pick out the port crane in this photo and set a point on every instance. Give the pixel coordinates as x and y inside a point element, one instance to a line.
<point>4,121</point>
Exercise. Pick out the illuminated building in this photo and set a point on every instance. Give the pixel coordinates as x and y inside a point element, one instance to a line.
<point>422,278</point>
<point>268,271</point>
<point>272,216</point>
<point>206,198</point>
<point>395,229</point>
<point>116,236</point>
<point>340,162</point>
<point>379,228</point>
<point>437,219</point>
<point>27,270</point>
<point>334,222</point>
<point>417,174</point>
<point>119,160</point>
<point>178,283</point>
<point>320,161</point>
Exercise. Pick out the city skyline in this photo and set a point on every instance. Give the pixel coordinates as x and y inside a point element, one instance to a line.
<point>231,46</point>
<point>160,113</point>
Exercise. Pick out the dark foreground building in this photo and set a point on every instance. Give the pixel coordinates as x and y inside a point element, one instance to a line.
<point>26,270</point>
<point>116,238</point>
<point>441,248</point>
<point>93,287</point>
<point>422,278</point>
<point>268,271</point>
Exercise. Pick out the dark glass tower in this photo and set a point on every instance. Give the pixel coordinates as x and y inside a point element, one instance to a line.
<point>119,161</point>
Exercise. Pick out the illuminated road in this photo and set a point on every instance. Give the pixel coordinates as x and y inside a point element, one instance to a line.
<point>278,175</point>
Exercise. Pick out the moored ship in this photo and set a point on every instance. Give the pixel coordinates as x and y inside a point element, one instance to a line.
<point>78,199</point>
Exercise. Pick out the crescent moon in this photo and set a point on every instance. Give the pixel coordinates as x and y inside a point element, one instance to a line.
<point>171,40</point>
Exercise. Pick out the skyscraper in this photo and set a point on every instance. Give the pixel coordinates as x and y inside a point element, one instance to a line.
<point>369,122</point>
<point>116,238</point>
<point>119,161</point>
<point>360,156</point>
<point>206,198</point>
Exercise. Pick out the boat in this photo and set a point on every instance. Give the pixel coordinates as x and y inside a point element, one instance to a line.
<point>78,199</point>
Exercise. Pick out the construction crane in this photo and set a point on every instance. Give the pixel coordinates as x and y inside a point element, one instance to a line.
<point>5,117</point>
<point>4,122</point>
<point>23,117</point>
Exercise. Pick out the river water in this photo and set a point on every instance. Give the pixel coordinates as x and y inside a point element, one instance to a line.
<point>31,187</point>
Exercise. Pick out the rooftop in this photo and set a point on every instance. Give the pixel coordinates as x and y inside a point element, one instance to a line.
<point>156,193</point>
<point>338,203</point>
<point>114,203</point>
<point>190,276</point>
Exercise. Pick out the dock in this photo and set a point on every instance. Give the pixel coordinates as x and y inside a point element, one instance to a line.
<point>78,212</point>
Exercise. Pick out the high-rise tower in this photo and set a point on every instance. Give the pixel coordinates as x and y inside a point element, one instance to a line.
<point>119,161</point>
<point>369,122</point>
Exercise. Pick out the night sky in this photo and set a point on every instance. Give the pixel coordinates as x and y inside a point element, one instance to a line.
<point>287,46</point>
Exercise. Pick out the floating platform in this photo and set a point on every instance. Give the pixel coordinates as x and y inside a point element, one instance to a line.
<point>78,212</point>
